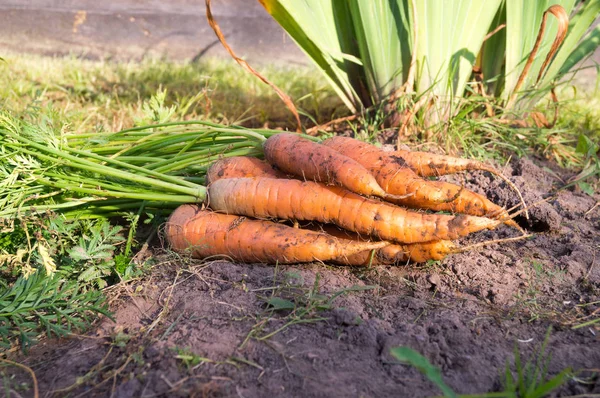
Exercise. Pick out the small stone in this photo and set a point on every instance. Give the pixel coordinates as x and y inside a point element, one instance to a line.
<point>434,279</point>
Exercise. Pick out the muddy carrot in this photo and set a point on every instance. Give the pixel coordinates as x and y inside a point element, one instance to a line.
<point>307,200</point>
<point>395,177</point>
<point>240,166</point>
<point>432,165</point>
<point>203,233</point>
<point>315,162</point>
<point>400,254</point>
<point>390,254</point>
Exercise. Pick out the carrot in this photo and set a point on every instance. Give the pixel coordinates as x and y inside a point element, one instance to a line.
<point>428,164</point>
<point>390,254</point>
<point>240,166</point>
<point>395,177</point>
<point>432,165</point>
<point>312,161</point>
<point>204,233</point>
<point>400,254</point>
<point>416,252</point>
<point>307,200</point>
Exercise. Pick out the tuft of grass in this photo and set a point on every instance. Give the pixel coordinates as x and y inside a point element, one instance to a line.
<point>297,304</point>
<point>189,358</point>
<point>531,380</point>
<point>97,96</point>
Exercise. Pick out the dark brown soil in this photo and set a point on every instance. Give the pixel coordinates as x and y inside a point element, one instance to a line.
<point>202,329</point>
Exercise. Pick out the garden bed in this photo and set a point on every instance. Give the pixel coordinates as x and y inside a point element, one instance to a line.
<point>194,328</point>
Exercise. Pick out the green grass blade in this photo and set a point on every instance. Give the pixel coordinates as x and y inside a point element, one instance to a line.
<point>321,28</point>
<point>405,354</point>
<point>544,389</point>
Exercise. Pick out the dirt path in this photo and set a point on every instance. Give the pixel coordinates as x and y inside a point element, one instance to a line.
<point>205,329</point>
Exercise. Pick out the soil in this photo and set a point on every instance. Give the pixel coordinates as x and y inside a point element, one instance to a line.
<point>219,329</point>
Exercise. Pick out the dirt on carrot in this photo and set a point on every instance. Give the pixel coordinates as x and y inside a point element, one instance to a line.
<point>397,178</point>
<point>311,201</point>
<point>204,233</point>
<point>315,162</point>
<point>392,254</point>
<point>427,164</point>
<point>240,166</point>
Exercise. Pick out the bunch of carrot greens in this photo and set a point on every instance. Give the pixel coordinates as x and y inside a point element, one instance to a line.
<point>104,174</point>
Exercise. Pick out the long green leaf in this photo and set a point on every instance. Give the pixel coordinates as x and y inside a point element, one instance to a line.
<point>322,29</point>
<point>492,54</point>
<point>384,41</point>
<point>417,360</point>
<point>587,46</point>
<point>449,37</point>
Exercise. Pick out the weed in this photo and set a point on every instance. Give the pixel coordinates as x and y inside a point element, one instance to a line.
<point>189,358</point>
<point>42,304</point>
<point>93,256</point>
<point>300,305</point>
<point>405,354</point>
<point>591,319</point>
<point>538,276</point>
<point>531,379</point>
<point>587,179</point>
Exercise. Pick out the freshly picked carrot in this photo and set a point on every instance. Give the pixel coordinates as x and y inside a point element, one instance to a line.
<point>395,254</point>
<point>312,161</point>
<point>240,166</point>
<point>204,233</point>
<point>401,254</point>
<point>395,177</point>
<point>308,200</point>
<point>427,164</point>
<point>390,254</point>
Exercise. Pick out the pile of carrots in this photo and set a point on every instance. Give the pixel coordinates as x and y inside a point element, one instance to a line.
<point>342,201</point>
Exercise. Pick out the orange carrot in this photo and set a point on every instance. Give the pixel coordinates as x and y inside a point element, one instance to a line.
<point>427,164</point>
<point>203,233</point>
<point>307,200</point>
<point>400,254</point>
<point>312,161</point>
<point>240,166</point>
<point>396,178</point>
<point>390,254</point>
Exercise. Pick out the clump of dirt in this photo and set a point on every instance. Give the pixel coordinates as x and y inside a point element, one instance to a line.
<point>251,330</point>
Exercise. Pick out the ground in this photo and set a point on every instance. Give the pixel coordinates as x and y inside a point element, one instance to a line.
<point>221,329</point>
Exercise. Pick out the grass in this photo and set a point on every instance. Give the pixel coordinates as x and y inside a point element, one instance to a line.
<point>101,96</point>
<point>292,303</point>
<point>531,380</point>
